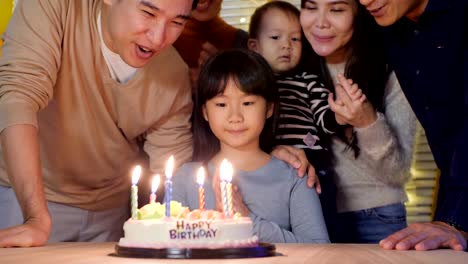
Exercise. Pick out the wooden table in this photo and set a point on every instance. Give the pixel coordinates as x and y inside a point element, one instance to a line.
<point>73,253</point>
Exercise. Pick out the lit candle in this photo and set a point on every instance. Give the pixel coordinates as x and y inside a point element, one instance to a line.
<point>229,197</point>
<point>168,198</point>
<point>201,190</point>
<point>226,172</point>
<point>154,187</point>
<point>134,191</point>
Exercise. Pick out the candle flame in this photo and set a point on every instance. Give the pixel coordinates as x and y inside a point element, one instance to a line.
<point>226,171</point>
<point>136,174</point>
<point>201,176</point>
<point>155,183</point>
<point>169,167</point>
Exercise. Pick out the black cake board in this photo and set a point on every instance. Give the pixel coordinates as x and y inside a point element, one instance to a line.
<point>262,250</point>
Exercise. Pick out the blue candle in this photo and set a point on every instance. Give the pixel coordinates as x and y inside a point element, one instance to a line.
<point>168,196</point>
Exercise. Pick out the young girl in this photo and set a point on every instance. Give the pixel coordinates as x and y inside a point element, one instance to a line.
<point>276,34</point>
<point>372,154</point>
<point>305,117</point>
<point>234,118</point>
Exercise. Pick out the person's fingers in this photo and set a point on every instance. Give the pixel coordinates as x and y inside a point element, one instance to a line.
<point>427,244</point>
<point>337,108</point>
<point>287,154</point>
<point>209,48</point>
<point>342,95</point>
<point>25,235</point>
<point>206,52</point>
<point>313,180</point>
<point>411,240</point>
<point>300,154</point>
<point>345,83</point>
<point>340,110</point>
<point>311,176</point>
<point>204,55</point>
<point>431,242</point>
<point>356,93</point>
<point>318,187</point>
<point>295,157</point>
<point>362,99</point>
<point>425,236</point>
<point>456,244</point>
<point>352,90</point>
<point>332,103</point>
<point>390,241</point>
<point>454,239</point>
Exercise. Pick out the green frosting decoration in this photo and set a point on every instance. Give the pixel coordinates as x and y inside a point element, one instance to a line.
<point>158,211</point>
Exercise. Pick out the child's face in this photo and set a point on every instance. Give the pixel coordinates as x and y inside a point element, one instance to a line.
<point>237,118</point>
<point>279,40</point>
<point>328,26</point>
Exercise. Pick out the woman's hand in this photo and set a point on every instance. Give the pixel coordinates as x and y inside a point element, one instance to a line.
<point>351,106</point>
<point>296,158</point>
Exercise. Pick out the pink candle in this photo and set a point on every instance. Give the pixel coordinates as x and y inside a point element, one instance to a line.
<point>201,190</point>
<point>154,187</point>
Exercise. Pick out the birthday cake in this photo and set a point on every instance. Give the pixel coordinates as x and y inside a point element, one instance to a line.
<point>186,229</point>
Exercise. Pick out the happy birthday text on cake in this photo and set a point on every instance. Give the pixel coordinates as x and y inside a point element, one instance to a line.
<point>192,230</point>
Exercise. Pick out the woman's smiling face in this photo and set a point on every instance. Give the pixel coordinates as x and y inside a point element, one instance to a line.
<point>328,26</point>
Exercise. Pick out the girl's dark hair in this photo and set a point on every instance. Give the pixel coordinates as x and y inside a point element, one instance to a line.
<point>366,65</point>
<point>257,16</point>
<point>253,75</point>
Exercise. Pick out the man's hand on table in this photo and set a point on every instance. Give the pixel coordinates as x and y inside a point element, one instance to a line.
<point>296,158</point>
<point>32,233</point>
<point>426,236</point>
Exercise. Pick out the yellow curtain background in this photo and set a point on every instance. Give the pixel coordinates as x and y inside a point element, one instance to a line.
<point>6,9</point>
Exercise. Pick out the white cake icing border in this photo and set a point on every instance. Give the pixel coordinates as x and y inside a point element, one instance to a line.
<point>252,242</point>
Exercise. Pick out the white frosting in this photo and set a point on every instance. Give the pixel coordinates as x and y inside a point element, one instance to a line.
<point>182,233</point>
